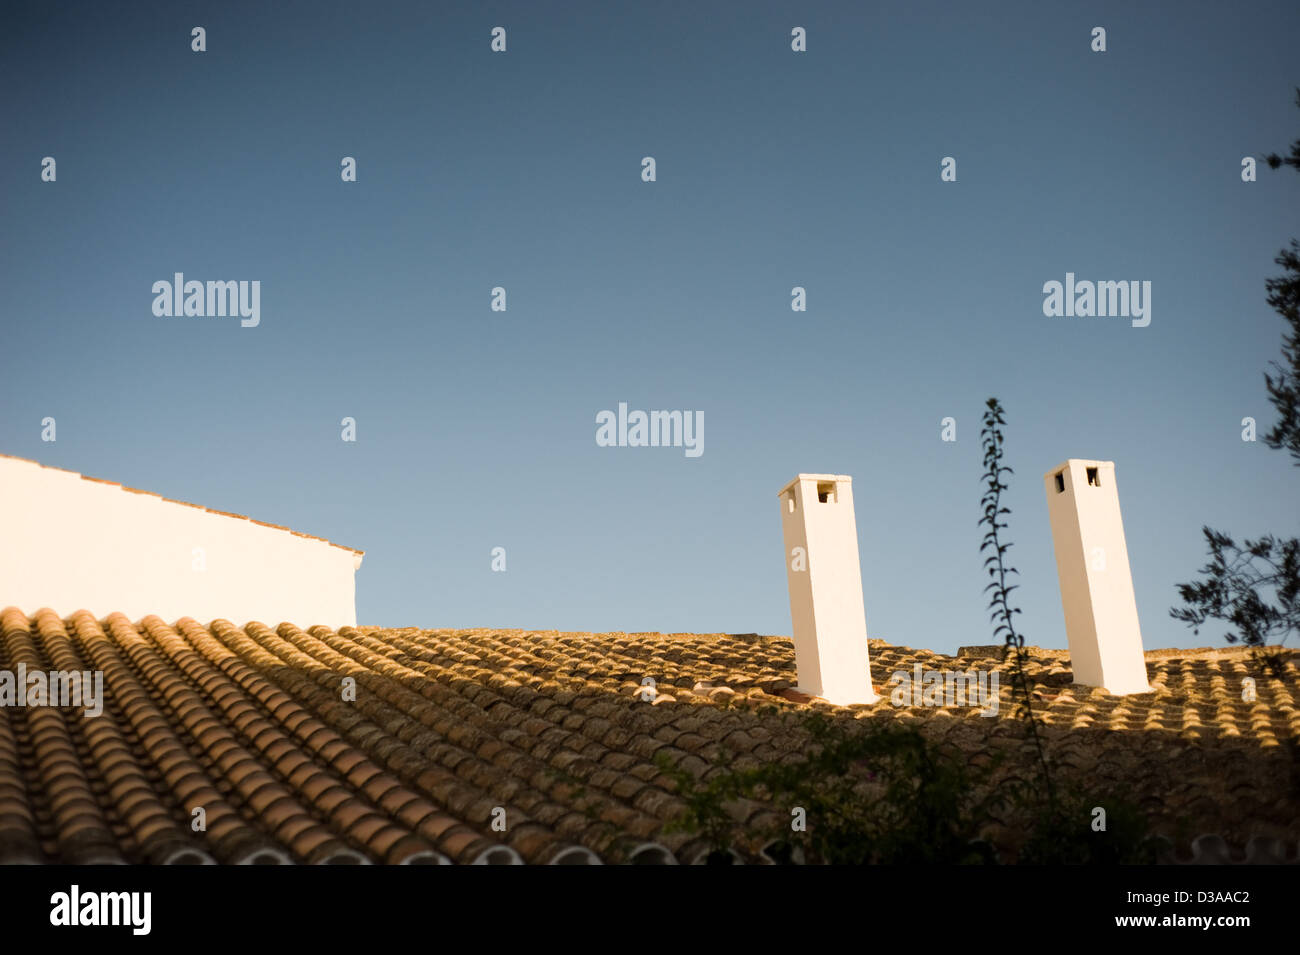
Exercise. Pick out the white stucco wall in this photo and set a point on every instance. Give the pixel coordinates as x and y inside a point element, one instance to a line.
<point>72,543</point>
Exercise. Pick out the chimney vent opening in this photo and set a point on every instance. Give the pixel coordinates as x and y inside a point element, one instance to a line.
<point>1093,479</point>
<point>1060,482</point>
<point>826,492</point>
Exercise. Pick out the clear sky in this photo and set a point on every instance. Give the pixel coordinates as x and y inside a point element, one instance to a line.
<point>476,429</point>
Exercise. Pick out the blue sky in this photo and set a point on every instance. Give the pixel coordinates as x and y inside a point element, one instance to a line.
<point>774,169</point>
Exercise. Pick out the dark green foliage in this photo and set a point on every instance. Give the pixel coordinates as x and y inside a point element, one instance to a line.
<point>875,793</point>
<point>1254,587</point>
<point>871,793</point>
<point>1275,161</point>
<point>1284,386</point>
<point>1064,835</point>
<point>706,810</point>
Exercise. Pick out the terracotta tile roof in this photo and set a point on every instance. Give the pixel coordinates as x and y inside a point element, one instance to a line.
<point>449,728</point>
<point>172,500</point>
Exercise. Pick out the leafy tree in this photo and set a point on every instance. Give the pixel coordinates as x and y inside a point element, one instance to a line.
<point>1255,587</point>
<point>1284,297</point>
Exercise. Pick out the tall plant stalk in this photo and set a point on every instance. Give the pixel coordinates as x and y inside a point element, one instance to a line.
<point>995,563</point>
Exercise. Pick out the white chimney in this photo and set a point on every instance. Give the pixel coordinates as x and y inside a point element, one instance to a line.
<point>1101,618</point>
<point>821,564</point>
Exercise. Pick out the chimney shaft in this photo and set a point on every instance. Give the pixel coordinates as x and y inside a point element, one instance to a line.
<point>1101,618</point>
<point>825,580</point>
